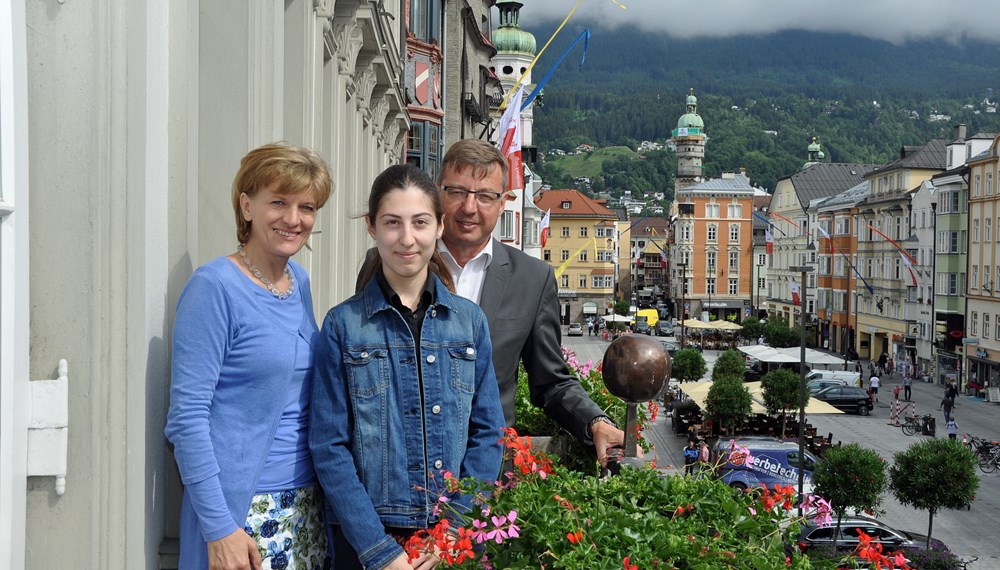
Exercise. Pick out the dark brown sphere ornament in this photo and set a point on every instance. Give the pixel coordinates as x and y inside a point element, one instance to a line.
<point>635,368</point>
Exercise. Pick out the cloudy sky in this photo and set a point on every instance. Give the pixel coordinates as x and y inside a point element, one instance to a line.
<point>892,20</point>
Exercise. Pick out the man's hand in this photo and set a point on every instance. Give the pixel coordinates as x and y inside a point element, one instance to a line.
<point>607,436</point>
<point>235,551</point>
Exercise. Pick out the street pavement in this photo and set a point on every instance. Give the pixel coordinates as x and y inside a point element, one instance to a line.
<point>969,533</point>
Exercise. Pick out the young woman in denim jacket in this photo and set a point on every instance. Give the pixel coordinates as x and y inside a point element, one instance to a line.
<point>404,386</point>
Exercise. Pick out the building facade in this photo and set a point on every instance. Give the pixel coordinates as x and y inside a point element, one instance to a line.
<point>983,301</point>
<point>712,248</point>
<point>582,250</point>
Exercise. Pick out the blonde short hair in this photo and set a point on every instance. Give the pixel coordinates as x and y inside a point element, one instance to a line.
<point>295,168</point>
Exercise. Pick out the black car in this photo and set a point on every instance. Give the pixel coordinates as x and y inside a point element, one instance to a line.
<point>847,398</point>
<point>641,327</point>
<point>892,539</point>
<point>664,328</point>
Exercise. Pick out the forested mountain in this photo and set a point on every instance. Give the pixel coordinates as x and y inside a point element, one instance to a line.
<point>764,97</point>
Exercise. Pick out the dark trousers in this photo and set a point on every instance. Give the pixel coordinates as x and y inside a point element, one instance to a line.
<point>906,392</point>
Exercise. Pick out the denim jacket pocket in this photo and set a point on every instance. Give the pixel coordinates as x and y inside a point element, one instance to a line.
<point>367,371</point>
<point>463,368</point>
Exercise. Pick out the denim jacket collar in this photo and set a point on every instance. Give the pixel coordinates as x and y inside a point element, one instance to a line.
<point>375,301</point>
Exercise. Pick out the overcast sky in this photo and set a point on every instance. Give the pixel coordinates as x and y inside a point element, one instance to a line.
<point>893,20</point>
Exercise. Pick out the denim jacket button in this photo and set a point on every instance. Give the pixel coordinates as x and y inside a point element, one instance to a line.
<point>434,312</point>
<point>470,350</point>
<point>436,410</point>
<point>438,464</point>
<point>364,355</point>
<point>431,359</point>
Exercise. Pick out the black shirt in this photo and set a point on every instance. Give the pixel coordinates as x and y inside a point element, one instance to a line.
<point>412,318</point>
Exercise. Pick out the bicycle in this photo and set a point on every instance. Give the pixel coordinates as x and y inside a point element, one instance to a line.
<point>915,424</point>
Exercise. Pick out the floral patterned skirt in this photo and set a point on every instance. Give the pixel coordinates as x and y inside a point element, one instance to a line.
<point>289,530</point>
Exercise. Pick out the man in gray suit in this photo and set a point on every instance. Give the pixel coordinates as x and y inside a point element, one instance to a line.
<point>517,293</point>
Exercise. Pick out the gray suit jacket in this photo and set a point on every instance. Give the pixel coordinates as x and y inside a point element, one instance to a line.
<point>521,303</point>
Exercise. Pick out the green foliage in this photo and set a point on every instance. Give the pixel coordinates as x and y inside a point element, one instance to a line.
<point>688,365</point>
<point>850,478</point>
<point>781,390</point>
<point>622,307</point>
<point>752,328</point>
<point>730,365</point>
<point>728,402</point>
<point>654,521</point>
<point>935,559</point>
<point>934,474</point>
<point>778,334</point>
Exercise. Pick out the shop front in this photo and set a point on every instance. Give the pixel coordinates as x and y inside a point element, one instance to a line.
<point>949,368</point>
<point>983,372</point>
<point>732,310</point>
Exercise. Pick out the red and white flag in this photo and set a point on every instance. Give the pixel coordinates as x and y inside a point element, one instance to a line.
<point>510,141</point>
<point>545,226</point>
<point>909,266</point>
<point>638,258</point>
<point>663,259</point>
<point>795,294</point>
<point>769,242</point>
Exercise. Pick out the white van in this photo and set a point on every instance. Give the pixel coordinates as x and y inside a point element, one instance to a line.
<point>848,378</point>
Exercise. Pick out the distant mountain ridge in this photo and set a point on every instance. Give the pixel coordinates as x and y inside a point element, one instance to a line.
<point>764,97</point>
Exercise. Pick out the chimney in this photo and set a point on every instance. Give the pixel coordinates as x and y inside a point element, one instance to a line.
<point>959,132</point>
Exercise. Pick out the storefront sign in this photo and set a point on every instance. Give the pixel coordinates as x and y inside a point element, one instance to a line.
<point>982,353</point>
<point>970,340</point>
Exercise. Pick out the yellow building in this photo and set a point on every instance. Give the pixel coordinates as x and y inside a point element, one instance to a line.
<point>582,248</point>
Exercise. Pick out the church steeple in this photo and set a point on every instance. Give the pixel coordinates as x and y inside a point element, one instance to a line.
<point>815,154</point>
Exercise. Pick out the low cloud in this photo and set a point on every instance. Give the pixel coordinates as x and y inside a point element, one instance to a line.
<point>896,21</point>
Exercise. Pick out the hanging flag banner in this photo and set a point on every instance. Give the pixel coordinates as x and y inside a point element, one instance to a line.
<point>510,143</point>
<point>828,238</point>
<point>769,242</point>
<point>663,259</point>
<point>909,266</point>
<point>795,294</point>
<point>638,259</point>
<point>545,226</point>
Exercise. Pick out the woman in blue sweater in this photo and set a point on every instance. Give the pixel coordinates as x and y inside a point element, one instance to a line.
<point>404,388</point>
<point>242,374</point>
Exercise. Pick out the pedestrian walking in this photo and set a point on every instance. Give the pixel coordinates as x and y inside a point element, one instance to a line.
<point>952,428</point>
<point>690,457</point>
<point>873,384</point>
<point>703,456</point>
<point>907,387</point>
<point>946,405</point>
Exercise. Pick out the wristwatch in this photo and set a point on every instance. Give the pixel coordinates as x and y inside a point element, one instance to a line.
<point>603,419</point>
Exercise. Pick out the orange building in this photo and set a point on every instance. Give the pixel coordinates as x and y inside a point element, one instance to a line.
<point>712,246</point>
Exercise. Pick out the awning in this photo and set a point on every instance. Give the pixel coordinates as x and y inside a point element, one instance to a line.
<point>590,308</point>
<point>698,392</point>
<point>791,354</point>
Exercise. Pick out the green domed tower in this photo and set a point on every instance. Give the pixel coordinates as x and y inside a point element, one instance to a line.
<point>815,154</point>
<point>689,140</point>
<point>515,51</point>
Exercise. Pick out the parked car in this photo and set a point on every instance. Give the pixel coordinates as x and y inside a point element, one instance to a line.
<point>847,398</point>
<point>664,328</point>
<point>814,535</point>
<point>575,329</point>
<point>671,346</point>
<point>819,384</point>
<point>641,327</point>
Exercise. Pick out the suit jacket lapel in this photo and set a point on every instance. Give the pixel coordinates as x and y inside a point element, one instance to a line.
<point>495,283</point>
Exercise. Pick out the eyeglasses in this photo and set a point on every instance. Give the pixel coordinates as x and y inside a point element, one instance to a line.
<point>459,194</point>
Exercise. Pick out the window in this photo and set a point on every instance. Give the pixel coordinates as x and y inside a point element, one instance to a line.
<point>734,286</point>
<point>761,282</point>
<point>843,226</point>
<point>710,285</point>
<point>951,284</point>
<point>839,267</point>
<point>989,184</point>
<point>547,255</point>
<point>734,233</point>
<point>810,306</point>
<point>713,232</point>
<point>896,268</point>
<point>986,325</point>
<point>976,187</point>
<point>761,259</point>
<point>975,231</point>
<point>986,278</point>
<point>583,282</point>
<point>602,281</point>
<point>565,281</point>
<point>975,323</point>
<point>711,210</point>
<point>583,231</point>
<point>565,231</point>
<point>710,258</point>
<point>686,233</point>
<point>565,254</point>
<point>989,230</point>
<point>998,273</point>
<point>948,241</point>
<point>974,284</point>
<point>507,225</point>
<point>734,262</point>
<point>735,211</point>
<point>425,20</point>
<point>423,147</point>
<point>998,327</point>
<point>899,227</point>
<point>583,255</point>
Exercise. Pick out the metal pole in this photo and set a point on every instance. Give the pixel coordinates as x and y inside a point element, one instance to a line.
<point>934,287</point>
<point>683,303</point>
<point>804,270</point>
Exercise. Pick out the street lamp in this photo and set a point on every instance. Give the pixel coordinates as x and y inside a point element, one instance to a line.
<point>804,270</point>
<point>934,363</point>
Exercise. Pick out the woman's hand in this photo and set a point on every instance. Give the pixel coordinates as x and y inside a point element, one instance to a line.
<point>426,561</point>
<point>235,551</point>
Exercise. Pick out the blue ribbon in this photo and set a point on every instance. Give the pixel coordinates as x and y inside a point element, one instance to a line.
<point>585,36</point>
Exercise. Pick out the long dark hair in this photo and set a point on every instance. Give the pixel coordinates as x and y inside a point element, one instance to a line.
<point>403,177</point>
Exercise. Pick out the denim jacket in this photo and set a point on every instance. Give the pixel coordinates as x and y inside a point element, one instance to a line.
<point>378,443</point>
